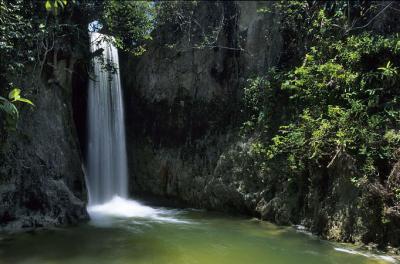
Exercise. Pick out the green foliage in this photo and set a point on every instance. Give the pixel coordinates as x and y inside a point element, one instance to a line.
<point>254,100</point>
<point>17,37</point>
<point>53,6</point>
<point>306,24</point>
<point>130,23</point>
<point>344,96</point>
<point>30,33</point>
<point>15,40</point>
<point>8,107</point>
<point>389,71</point>
<point>261,102</point>
<point>15,96</point>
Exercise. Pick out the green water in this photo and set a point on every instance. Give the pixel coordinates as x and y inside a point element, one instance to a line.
<point>191,237</point>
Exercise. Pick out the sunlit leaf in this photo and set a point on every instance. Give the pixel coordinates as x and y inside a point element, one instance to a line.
<point>48,5</point>
<point>14,94</point>
<point>25,101</point>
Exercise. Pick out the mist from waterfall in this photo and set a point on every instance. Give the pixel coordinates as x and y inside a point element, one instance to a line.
<point>107,174</point>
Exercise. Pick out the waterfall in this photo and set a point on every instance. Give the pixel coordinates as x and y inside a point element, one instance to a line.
<point>106,160</point>
<point>107,173</point>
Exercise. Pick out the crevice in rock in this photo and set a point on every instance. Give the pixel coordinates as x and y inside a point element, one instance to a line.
<point>80,79</point>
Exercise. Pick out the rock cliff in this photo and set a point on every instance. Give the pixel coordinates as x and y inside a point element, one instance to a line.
<point>41,177</point>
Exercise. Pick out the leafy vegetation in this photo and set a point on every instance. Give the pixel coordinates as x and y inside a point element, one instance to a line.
<point>29,33</point>
<point>55,5</point>
<point>130,22</point>
<point>343,97</point>
<point>9,108</point>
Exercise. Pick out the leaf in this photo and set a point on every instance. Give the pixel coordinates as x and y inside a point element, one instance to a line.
<point>14,94</point>
<point>14,110</point>
<point>48,5</point>
<point>62,3</point>
<point>25,101</point>
<point>9,108</point>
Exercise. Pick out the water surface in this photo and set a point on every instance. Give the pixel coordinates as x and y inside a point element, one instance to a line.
<point>126,232</point>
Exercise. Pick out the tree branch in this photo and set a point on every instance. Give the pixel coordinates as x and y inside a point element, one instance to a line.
<point>372,19</point>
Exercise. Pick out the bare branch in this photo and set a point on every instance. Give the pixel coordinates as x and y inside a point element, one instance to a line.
<point>372,19</point>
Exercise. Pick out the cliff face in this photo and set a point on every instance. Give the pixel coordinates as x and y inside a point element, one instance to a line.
<point>183,141</point>
<point>181,104</point>
<point>248,43</point>
<point>182,109</point>
<point>41,177</point>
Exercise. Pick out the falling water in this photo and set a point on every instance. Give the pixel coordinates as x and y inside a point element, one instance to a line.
<point>106,161</point>
<point>107,178</point>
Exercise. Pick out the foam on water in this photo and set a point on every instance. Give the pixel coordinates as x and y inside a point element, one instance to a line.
<point>368,255</point>
<point>120,208</point>
<point>303,229</point>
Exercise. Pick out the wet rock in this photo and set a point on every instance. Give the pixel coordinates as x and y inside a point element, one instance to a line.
<point>275,210</point>
<point>394,178</point>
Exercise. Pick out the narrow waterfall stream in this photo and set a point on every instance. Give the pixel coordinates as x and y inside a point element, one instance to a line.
<point>107,174</point>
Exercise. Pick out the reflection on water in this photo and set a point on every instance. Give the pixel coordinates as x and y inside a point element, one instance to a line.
<point>127,232</point>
